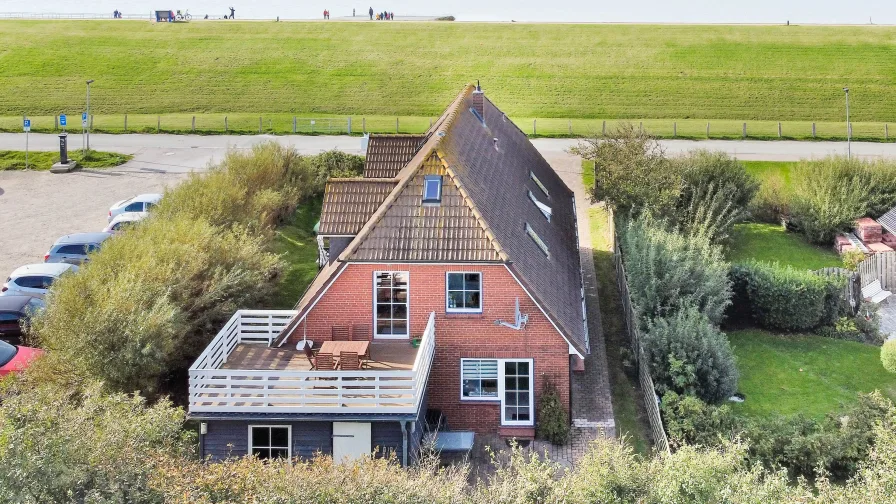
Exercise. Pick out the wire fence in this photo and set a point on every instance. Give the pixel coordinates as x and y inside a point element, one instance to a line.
<point>284,124</point>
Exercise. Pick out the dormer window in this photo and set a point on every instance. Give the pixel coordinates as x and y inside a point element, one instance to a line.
<point>545,210</point>
<point>539,184</point>
<point>432,190</point>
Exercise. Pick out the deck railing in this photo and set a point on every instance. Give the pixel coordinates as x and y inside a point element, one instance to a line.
<point>215,390</point>
<point>245,326</point>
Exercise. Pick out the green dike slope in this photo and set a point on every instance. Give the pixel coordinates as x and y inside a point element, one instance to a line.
<point>772,73</point>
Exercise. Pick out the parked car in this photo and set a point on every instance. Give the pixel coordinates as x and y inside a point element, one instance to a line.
<point>124,220</point>
<point>141,203</point>
<point>73,248</point>
<point>16,358</point>
<point>15,314</point>
<point>34,279</point>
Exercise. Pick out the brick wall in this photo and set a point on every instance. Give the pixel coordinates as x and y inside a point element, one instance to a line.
<point>350,301</point>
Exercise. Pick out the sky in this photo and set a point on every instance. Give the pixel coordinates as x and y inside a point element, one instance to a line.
<point>643,11</point>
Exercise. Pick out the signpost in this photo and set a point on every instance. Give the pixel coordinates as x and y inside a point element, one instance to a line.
<point>27,127</point>
<point>62,121</point>
<point>83,128</point>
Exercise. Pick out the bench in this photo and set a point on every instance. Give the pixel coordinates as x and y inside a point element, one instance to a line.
<point>874,292</point>
<point>451,441</point>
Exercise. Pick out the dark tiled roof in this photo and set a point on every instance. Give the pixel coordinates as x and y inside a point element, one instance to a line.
<point>888,220</point>
<point>349,203</point>
<point>388,154</point>
<point>410,231</point>
<point>498,181</point>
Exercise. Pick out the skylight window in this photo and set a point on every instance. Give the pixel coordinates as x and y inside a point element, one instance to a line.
<point>432,190</point>
<point>478,115</point>
<point>537,239</point>
<point>545,210</point>
<point>539,184</point>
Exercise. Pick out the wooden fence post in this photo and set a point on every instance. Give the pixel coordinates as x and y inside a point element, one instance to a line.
<point>91,121</point>
<point>158,123</point>
<point>707,130</point>
<point>569,123</point>
<point>430,122</point>
<point>604,129</point>
<point>55,123</point>
<point>225,124</point>
<point>534,126</point>
<point>396,125</point>
<point>779,130</point>
<point>294,124</point>
<point>640,127</point>
<point>886,131</point>
<point>813,130</point>
<point>364,125</point>
<point>259,125</point>
<point>674,129</point>
<point>850,129</point>
<point>125,122</point>
<point>194,124</point>
<point>350,124</point>
<point>745,130</point>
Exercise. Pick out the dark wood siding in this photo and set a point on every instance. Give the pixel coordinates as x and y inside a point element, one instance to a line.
<point>230,438</point>
<point>386,438</point>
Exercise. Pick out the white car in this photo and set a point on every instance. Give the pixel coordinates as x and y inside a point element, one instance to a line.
<point>141,203</point>
<point>123,220</point>
<point>34,279</point>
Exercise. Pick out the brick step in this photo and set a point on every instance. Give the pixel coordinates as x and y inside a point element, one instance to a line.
<point>517,432</point>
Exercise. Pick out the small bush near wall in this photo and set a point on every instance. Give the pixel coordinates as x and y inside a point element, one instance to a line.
<point>553,423</point>
<point>786,298</point>
<point>888,355</point>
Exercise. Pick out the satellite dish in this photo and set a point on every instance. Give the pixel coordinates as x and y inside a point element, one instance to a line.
<point>520,320</point>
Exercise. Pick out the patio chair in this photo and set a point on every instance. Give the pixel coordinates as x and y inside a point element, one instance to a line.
<point>324,362</point>
<point>340,333</point>
<point>361,332</point>
<point>349,361</point>
<point>311,357</point>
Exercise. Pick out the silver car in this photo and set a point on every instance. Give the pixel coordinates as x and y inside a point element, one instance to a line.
<point>34,279</point>
<point>73,248</point>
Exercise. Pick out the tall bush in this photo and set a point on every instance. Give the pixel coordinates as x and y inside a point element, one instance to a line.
<point>553,422</point>
<point>888,355</point>
<point>668,271</point>
<point>716,194</point>
<point>787,298</point>
<point>688,355</point>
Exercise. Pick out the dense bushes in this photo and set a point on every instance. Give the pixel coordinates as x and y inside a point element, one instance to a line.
<point>831,194</point>
<point>553,422</point>
<point>688,355</point>
<point>888,355</point>
<point>150,299</point>
<point>786,298</point>
<point>837,444</point>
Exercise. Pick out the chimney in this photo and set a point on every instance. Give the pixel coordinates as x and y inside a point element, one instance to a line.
<point>478,101</point>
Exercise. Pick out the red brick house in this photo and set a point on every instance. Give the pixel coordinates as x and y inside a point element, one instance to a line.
<point>464,238</point>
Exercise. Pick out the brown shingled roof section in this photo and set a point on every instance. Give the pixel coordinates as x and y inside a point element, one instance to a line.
<point>388,154</point>
<point>349,203</point>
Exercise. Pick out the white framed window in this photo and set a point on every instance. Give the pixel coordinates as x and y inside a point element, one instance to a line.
<point>508,381</point>
<point>270,441</point>
<point>432,189</point>
<point>545,210</point>
<point>479,380</point>
<point>537,239</point>
<point>539,184</point>
<point>463,292</point>
<point>390,297</point>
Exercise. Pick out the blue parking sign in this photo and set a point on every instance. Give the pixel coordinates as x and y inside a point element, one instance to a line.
<point>83,116</point>
<point>27,125</point>
<point>62,120</point>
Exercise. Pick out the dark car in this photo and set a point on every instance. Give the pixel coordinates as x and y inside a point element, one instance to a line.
<point>15,312</point>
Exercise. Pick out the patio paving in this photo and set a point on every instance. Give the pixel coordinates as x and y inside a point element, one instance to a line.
<point>888,318</point>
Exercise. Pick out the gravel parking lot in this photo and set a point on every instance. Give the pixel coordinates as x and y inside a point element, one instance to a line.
<point>36,208</point>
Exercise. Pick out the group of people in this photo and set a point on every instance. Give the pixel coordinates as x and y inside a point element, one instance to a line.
<point>382,16</point>
<point>116,14</point>
<point>326,14</point>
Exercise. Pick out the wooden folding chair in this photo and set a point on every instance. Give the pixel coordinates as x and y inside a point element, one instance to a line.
<point>324,362</point>
<point>349,361</point>
<point>361,332</point>
<point>340,333</point>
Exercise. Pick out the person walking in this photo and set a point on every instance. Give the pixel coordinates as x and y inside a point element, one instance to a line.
<point>353,12</point>
<point>371,13</point>
<point>232,11</point>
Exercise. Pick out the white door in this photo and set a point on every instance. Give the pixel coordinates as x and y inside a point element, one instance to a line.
<point>351,440</point>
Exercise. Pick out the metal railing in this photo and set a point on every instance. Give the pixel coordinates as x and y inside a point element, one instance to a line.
<point>274,391</point>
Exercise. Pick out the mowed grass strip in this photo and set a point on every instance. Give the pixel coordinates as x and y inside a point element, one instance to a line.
<point>734,73</point>
<point>42,160</point>
<point>297,246</point>
<point>812,375</point>
<point>772,243</point>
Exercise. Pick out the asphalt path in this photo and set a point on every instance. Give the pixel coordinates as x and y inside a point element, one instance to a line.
<point>38,207</point>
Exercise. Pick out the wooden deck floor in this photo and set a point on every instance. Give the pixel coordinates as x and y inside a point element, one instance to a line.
<point>384,356</point>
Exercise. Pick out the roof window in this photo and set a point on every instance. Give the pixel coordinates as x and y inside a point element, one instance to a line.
<point>537,239</point>
<point>539,184</point>
<point>478,115</point>
<point>432,190</point>
<point>545,210</point>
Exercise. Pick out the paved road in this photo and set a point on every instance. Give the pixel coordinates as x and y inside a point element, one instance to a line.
<point>38,207</point>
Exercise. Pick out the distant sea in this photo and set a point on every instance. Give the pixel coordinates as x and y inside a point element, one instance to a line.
<point>661,11</point>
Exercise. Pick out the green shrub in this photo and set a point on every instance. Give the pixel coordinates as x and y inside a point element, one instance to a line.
<point>553,422</point>
<point>668,271</point>
<point>631,171</point>
<point>864,327</point>
<point>715,195</point>
<point>852,259</point>
<point>690,421</point>
<point>888,355</point>
<point>688,355</point>
<point>783,297</point>
<point>772,201</point>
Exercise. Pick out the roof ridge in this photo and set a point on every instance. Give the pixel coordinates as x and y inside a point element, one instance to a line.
<point>406,174</point>
<point>380,180</point>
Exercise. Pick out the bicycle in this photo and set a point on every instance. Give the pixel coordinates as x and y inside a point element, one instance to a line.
<point>183,16</point>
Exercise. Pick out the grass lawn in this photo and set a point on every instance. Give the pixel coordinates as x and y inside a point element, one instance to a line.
<point>627,397</point>
<point>771,170</point>
<point>655,73</point>
<point>298,246</point>
<point>770,243</point>
<point>15,160</point>
<point>791,374</point>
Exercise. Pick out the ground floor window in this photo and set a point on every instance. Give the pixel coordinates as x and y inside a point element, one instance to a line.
<point>509,381</point>
<point>270,441</point>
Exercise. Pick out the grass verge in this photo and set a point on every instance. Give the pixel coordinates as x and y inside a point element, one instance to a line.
<point>41,160</point>
<point>297,245</point>
<point>770,243</point>
<point>791,374</point>
<point>628,413</point>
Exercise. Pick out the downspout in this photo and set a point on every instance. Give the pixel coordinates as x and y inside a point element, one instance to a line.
<point>404,442</point>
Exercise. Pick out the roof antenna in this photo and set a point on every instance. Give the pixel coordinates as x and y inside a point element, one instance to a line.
<point>477,86</point>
